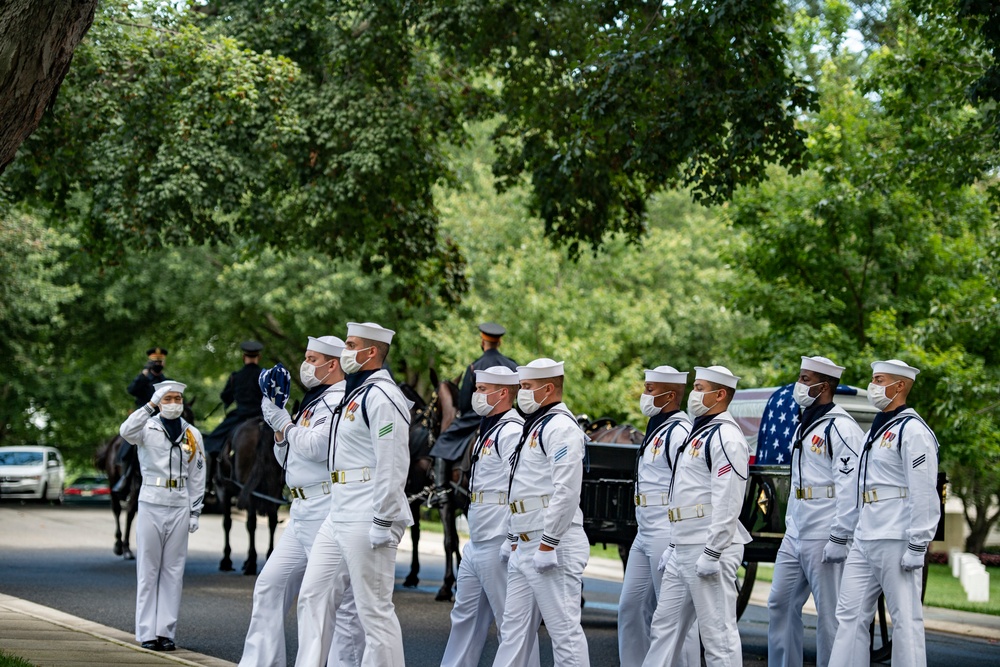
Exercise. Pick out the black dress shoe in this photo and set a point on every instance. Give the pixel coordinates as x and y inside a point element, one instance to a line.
<point>152,645</point>
<point>166,644</point>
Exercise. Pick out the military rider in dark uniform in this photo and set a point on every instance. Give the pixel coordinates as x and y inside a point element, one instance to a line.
<point>451,444</point>
<point>141,389</point>
<point>243,389</point>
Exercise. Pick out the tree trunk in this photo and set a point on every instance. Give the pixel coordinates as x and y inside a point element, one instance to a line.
<point>981,526</point>
<point>37,40</point>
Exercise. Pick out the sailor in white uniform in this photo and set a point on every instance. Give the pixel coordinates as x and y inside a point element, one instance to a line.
<point>301,447</point>
<point>482,576</point>
<point>547,545</point>
<point>172,462</point>
<point>898,509</point>
<point>369,459</point>
<point>667,428</point>
<point>710,472</point>
<point>824,465</point>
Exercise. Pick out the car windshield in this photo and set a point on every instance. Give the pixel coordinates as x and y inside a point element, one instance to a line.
<point>20,458</point>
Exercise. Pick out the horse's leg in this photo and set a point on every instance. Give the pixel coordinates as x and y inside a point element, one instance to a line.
<point>226,564</point>
<point>130,511</point>
<point>250,565</point>
<point>116,509</point>
<point>272,525</point>
<point>412,579</point>
<point>450,551</point>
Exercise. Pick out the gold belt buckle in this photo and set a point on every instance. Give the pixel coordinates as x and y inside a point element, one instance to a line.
<point>517,507</point>
<point>294,491</point>
<point>524,537</point>
<point>672,515</point>
<point>338,476</point>
<point>171,483</point>
<point>640,500</point>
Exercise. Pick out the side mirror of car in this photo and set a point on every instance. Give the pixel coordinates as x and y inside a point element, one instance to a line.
<point>53,463</point>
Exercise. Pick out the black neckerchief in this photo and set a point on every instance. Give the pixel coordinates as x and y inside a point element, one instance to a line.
<point>809,416</point>
<point>312,395</point>
<point>883,418</point>
<point>529,424</point>
<point>172,427</point>
<point>355,380</point>
<point>654,424</point>
<point>699,422</point>
<point>485,426</point>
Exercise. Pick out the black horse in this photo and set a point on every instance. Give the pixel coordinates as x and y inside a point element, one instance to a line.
<point>248,471</point>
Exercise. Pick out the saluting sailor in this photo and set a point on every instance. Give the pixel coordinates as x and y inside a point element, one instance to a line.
<point>818,521</point>
<point>665,433</point>
<point>710,473</point>
<point>301,447</point>
<point>546,547</point>
<point>482,576</point>
<point>898,509</point>
<point>369,457</point>
<point>172,463</point>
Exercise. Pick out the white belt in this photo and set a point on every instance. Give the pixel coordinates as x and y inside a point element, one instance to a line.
<point>529,504</point>
<point>676,514</point>
<point>164,483</point>
<point>874,495</point>
<point>530,535</point>
<point>345,476</point>
<point>815,492</point>
<point>487,498</point>
<point>651,499</point>
<point>303,492</point>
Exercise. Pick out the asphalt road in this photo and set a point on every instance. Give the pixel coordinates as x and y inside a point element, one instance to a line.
<point>62,557</point>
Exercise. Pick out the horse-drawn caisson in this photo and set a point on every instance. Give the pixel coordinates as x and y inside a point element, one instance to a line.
<point>767,417</point>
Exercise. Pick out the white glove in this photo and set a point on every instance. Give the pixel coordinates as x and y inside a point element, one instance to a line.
<point>835,553</point>
<point>668,553</point>
<point>543,561</point>
<point>706,566</point>
<point>193,524</point>
<point>277,418</point>
<point>380,537</point>
<point>505,551</point>
<point>159,394</point>
<point>912,560</point>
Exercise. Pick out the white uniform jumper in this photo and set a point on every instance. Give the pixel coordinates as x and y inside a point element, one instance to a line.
<point>822,499</point>
<point>482,576</point>
<point>641,587</point>
<point>173,489</point>
<point>898,508</point>
<point>706,495</point>
<point>545,504</point>
<point>303,456</point>
<point>369,462</point>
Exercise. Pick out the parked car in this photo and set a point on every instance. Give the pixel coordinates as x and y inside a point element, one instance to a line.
<point>31,473</point>
<point>87,490</point>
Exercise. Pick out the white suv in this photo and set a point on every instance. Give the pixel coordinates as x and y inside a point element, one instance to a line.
<point>31,473</point>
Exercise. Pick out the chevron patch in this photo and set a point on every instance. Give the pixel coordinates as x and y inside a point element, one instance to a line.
<point>919,460</point>
<point>725,469</point>
<point>560,454</point>
<point>385,430</point>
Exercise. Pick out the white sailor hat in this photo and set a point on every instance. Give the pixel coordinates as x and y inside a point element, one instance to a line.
<point>370,331</point>
<point>171,385</point>
<point>331,346</point>
<point>667,374</point>
<point>540,369</point>
<point>717,374</point>
<point>895,367</point>
<point>497,375</point>
<point>822,365</point>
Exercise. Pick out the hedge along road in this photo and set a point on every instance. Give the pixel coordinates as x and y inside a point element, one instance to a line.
<point>62,557</point>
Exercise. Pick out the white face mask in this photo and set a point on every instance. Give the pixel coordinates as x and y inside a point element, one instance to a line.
<point>307,374</point>
<point>801,394</point>
<point>647,404</point>
<point>526,400</point>
<point>171,410</point>
<point>695,404</point>
<point>877,397</point>
<point>481,405</point>
<point>349,361</point>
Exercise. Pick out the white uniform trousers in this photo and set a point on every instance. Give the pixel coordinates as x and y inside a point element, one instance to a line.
<point>684,597</point>
<point>161,536</point>
<point>873,566</point>
<point>798,570</point>
<point>637,603</point>
<point>342,555</point>
<point>554,595</point>
<point>479,600</point>
<point>274,594</point>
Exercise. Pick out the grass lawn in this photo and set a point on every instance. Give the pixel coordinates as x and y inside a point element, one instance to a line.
<point>943,590</point>
<point>8,660</point>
